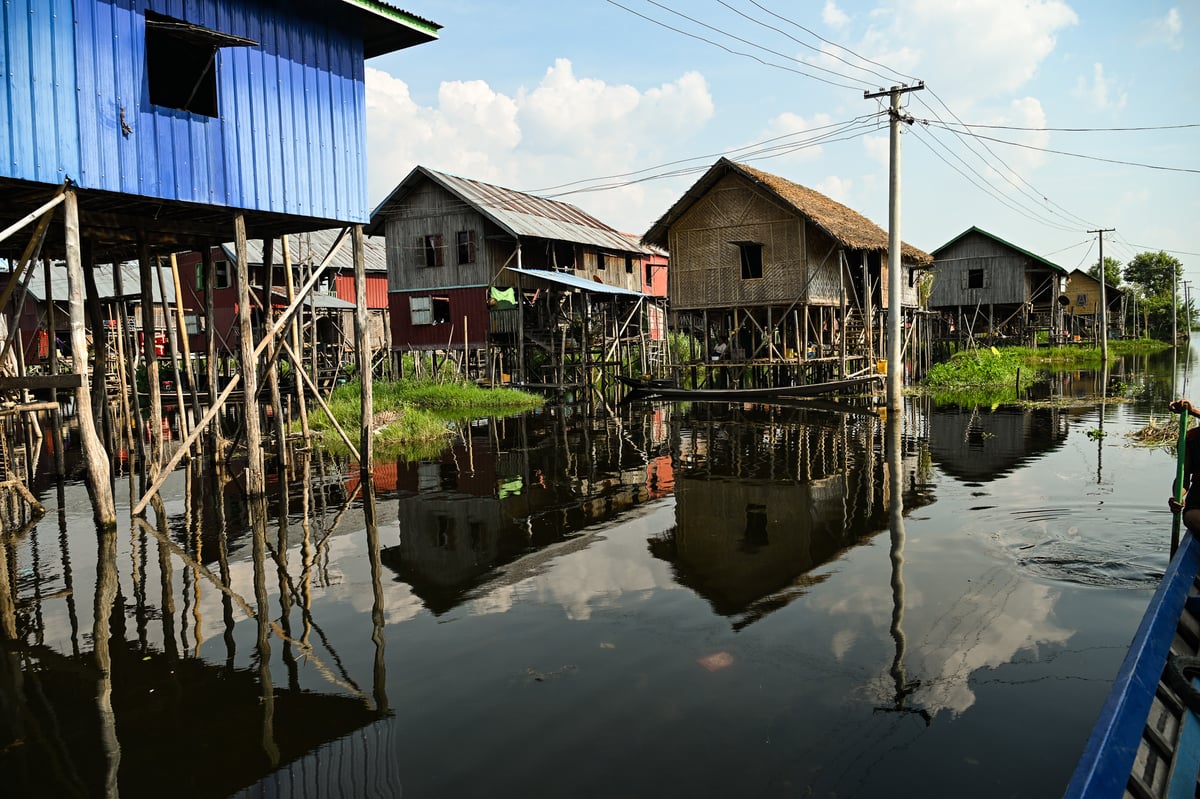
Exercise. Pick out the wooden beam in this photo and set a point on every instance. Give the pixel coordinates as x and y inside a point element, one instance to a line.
<point>256,481</point>
<point>50,205</point>
<point>67,381</point>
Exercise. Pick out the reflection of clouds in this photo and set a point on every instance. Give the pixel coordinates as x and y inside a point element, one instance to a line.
<point>985,629</point>
<point>610,568</point>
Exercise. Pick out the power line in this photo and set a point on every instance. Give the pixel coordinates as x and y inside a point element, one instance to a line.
<point>1071,130</point>
<point>1065,152</point>
<point>735,52</point>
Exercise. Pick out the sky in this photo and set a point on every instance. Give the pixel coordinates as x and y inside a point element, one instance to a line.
<point>618,106</point>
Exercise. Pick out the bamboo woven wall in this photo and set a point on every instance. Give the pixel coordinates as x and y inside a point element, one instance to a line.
<point>799,261</point>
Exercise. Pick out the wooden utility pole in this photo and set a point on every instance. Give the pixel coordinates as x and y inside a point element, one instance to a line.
<point>1103,296</point>
<point>895,337</point>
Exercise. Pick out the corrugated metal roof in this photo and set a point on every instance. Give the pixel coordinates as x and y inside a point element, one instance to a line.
<point>564,279</point>
<point>130,282</point>
<point>387,28</point>
<point>315,299</point>
<point>518,213</point>
<point>311,248</point>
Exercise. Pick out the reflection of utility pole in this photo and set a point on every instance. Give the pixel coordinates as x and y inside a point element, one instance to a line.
<point>895,372</point>
<point>895,499</point>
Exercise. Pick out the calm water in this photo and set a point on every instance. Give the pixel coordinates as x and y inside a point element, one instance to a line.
<point>711,600</point>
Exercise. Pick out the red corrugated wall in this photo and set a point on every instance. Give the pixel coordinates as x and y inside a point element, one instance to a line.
<point>466,302</point>
<point>377,290</point>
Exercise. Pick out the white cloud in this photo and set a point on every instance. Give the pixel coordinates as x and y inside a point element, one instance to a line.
<point>1101,95</point>
<point>836,188</point>
<point>1166,30</point>
<point>566,127</point>
<point>970,50</point>
<point>833,16</point>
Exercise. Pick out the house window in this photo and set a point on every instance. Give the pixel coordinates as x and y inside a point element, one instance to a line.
<point>975,279</point>
<point>420,310</point>
<point>181,63</point>
<point>200,276</point>
<point>600,265</point>
<point>750,253</point>
<point>629,264</point>
<point>649,274</point>
<point>433,250</point>
<point>441,310</point>
<point>221,272</point>
<point>1081,300</point>
<point>564,256</point>
<point>466,246</point>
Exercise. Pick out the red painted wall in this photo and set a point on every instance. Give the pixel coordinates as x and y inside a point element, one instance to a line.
<point>468,302</point>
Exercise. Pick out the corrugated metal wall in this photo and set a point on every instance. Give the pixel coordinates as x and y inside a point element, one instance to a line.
<point>289,136</point>
<point>39,137</point>
<point>468,302</point>
<point>377,289</point>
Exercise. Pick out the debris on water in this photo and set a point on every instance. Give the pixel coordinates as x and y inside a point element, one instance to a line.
<point>716,661</point>
<point>543,676</point>
<point>607,645</point>
<point>1157,433</point>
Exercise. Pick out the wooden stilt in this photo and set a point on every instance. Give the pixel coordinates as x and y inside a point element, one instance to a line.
<point>95,319</point>
<point>154,456</point>
<point>93,453</point>
<point>129,382</point>
<point>60,461</point>
<point>185,338</point>
<point>255,479</point>
<point>173,346</point>
<point>362,341</point>
<point>216,446</point>
<point>268,250</point>
<point>297,365</point>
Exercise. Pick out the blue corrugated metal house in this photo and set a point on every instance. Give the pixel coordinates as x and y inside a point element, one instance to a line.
<point>255,105</point>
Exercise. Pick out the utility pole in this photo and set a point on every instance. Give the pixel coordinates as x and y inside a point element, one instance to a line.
<point>1103,297</point>
<point>895,340</point>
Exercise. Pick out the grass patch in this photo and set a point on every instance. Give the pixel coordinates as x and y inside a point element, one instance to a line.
<point>973,369</point>
<point>415,417</point>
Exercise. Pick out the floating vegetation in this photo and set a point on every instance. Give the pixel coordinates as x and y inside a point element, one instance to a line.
<point>1163,433</point>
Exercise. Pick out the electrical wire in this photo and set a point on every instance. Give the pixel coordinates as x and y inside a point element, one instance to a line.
<point>1074,130</point>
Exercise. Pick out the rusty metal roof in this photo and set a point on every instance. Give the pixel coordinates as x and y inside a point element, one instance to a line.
<point>510,276</point>
<point>311,248</point>
<point>517,213</point>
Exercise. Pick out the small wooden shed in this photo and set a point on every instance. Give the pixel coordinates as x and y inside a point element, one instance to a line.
<point>791,281</point>
<point>984,285</point>
<point>1082,309</point>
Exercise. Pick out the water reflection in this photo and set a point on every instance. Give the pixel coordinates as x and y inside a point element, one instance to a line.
<point>979,444</point>
<point>765,496</point>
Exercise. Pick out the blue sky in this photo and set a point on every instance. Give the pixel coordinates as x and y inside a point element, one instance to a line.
<point>532,95</point>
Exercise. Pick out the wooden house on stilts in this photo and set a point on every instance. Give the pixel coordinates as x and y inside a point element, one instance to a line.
<point>779,284</point>
<point>528,290</point>
<point>134,130</point>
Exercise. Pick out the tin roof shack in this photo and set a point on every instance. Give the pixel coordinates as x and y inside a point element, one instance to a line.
<point>455,245</point>
<point>159,126</point>
<point>983,284</point>
<point>1082,309</point>
<point>795,280</point>
<point>326,316</point>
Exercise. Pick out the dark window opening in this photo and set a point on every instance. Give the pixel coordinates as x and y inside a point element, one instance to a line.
<point>564,256</point>
<point>649,274</point>
<point>221,274</point>
<point>1081,300</point>
<point>466,246</point>
<point>975,279</point>
<point>433,248</point>
<point>600,265</point>
<point>756,527</point>
<point>629,264</point>
<point>751,258</point>
<point>441,310</point>
<point>181,63</point>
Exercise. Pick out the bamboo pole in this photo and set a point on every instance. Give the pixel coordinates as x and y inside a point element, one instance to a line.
<point>93,451</point>
<point>273,373</point>
<point>297,366</point>
<point>210,344</point>
<point>255,478</point>
<point>172,345</point>
<point>151,355</point>
<point>129,388</point>
<point>185,338</point>
<point>60,461</point>
<point>362,341</point>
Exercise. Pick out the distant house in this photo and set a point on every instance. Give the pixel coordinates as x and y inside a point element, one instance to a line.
<point>1083,306</point>
<point>474,267</point>
<point>330,308</point>
<point>984,285</point>
<point>789,275</point>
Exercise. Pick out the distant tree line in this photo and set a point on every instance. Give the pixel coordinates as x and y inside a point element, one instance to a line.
<point>1150,279</point>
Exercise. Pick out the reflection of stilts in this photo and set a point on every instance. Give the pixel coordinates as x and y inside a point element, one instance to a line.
<point>895,473</point>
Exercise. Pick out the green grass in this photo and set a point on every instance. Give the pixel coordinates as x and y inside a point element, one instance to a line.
<point>415,417</point>
<point>972,369</point>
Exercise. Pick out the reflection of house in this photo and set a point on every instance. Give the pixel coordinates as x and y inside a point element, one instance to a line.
<point>762,502</point>
<point>491,502</point>
<point>787,273</point>
<point>983,284</point>
<point>1082,311</point>
<point>167,709</point>
<point>449,241</point>
<point>982,445</point>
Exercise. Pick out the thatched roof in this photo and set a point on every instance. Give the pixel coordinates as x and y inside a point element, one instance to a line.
<point>843,224</point>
